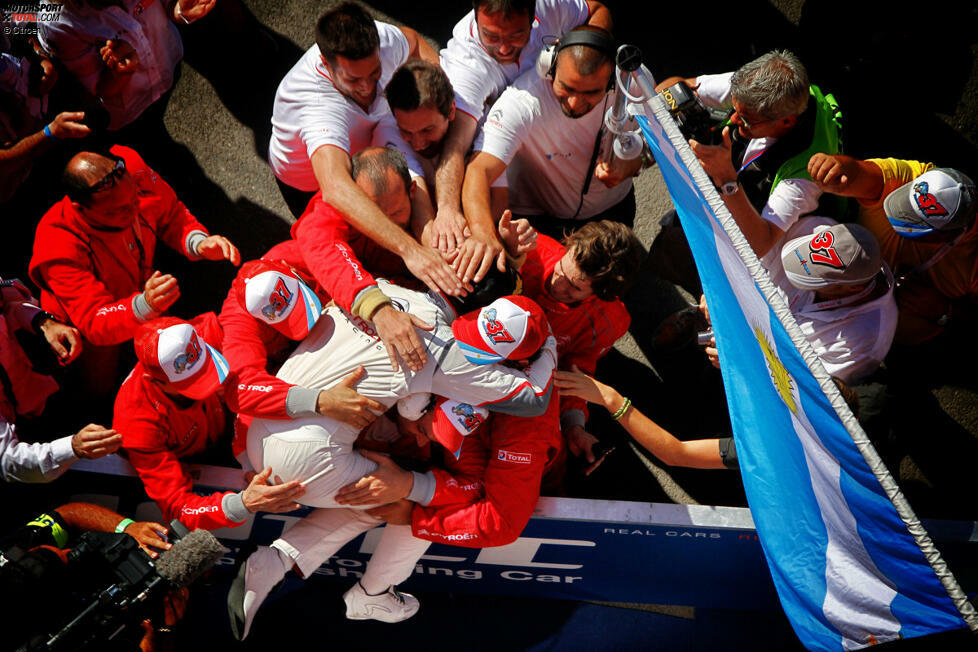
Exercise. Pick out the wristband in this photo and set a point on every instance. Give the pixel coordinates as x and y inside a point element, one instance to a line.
<point>623,409</point>
<point>48,134</point>
<point>39,318</point>
<point>123,524</point>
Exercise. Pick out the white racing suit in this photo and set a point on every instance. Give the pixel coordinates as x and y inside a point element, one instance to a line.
<point>319,451</point>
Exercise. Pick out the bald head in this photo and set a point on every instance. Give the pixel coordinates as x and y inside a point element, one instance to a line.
<point>84,170</point>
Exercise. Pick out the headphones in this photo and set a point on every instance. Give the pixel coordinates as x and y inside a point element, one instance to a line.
<point>601,41</point>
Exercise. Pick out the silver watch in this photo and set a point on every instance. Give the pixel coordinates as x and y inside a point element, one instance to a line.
<point>729,188</point>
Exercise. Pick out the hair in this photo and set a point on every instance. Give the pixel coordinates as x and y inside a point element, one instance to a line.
<point>775,85</point>
<point>609,254</point>
<point>588,59</point>
<point>419,84</point>
<point>494,285</point>
<point>347,31</point>
<point>376,162</point>
<point>526,7</point>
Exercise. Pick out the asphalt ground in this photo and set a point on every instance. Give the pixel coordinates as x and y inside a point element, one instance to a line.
<point>905,76</point>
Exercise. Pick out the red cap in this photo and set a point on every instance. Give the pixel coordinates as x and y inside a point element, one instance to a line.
<point>454,421</point>
<point>173,351</point>
<point>510,328</point>
<point>271,293</point>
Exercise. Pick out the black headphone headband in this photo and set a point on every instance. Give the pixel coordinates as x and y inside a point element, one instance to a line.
<point>601,41</point>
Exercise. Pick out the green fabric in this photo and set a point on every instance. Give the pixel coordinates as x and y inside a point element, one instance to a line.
<point>826,138</point>
<point>50,523</point>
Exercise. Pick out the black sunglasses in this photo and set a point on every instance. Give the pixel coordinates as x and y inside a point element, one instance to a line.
<point>110,178</point>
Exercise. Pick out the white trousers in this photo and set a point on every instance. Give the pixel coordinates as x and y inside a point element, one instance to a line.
<point>318,536</point>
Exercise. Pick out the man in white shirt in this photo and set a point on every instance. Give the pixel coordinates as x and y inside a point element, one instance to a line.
<point>545,134</point>
<point>490,48</point>
<point>779,121</point>
<point>839,290</point>
<point>327,108</point>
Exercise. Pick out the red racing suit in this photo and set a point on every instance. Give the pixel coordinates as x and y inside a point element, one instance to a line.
<point>254,351</point>
<point>157,432</point>
<point>345,262</point>
<point>90,277</point>
<point>486,496</point>
<point>585,331</point>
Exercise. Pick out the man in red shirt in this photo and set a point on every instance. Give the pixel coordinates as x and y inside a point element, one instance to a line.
<point>579,285</point>
<point>346,262</point>
<point>169,408</point>
<point>93,253</point>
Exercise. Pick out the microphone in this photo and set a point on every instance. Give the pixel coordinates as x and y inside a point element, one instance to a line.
<point>189,558</point>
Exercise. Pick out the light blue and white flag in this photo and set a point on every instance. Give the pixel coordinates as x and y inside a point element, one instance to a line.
<point>851,562</point>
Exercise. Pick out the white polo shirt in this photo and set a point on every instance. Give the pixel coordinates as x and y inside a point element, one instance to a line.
<point>792,198</point>
<point>850,340</point>
<point>310,112</point>
<point>547,153</point>
<point>478,79</point>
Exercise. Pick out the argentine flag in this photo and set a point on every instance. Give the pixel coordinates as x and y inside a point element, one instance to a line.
<point>852,564</point>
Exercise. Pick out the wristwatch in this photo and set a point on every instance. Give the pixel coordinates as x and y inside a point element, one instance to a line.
<point>729,188</point>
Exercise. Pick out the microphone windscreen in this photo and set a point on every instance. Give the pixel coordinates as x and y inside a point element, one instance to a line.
<point>189,558</point>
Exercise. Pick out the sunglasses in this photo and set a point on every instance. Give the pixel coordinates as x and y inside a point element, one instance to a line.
<point>114,175</point>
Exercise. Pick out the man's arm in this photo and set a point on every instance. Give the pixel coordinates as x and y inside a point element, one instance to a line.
<point>599,16</point>
<point>716,161</point>
<point>332,168</point>
<point>419,48</point>
<point>482,249</point>
<point>450,220</point>
<point>27,150</point>
<point>323,237</point>
<point>103,319</point>
<point>169,484</point>
<point>846,176</point>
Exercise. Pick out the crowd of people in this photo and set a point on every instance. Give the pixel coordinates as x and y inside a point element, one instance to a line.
<point>461,247</point>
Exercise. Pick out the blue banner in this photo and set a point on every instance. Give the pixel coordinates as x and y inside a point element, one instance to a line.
<point>851,568</point>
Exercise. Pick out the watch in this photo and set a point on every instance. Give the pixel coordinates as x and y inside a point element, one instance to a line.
<point>729,188</point>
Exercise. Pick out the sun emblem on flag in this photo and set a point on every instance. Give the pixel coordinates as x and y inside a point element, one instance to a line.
<point>779,375</point>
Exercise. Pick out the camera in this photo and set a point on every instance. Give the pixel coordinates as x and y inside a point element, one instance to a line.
<point>120,586</point>
<point>695,120</point>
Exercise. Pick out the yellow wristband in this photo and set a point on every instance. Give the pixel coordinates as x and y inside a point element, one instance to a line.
<point>369,302</point>
<point>623,409</point>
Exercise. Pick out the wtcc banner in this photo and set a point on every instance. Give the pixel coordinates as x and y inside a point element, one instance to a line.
<point>851,563</point>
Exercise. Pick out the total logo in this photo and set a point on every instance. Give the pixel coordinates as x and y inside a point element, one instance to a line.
<point>515,458</point>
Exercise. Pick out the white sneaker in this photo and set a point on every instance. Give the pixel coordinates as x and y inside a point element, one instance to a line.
<point>256,579</point>
<point>391,606</point>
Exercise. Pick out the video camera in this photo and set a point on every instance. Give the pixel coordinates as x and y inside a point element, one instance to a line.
<point>126,586</point>
<point>696,120</point>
